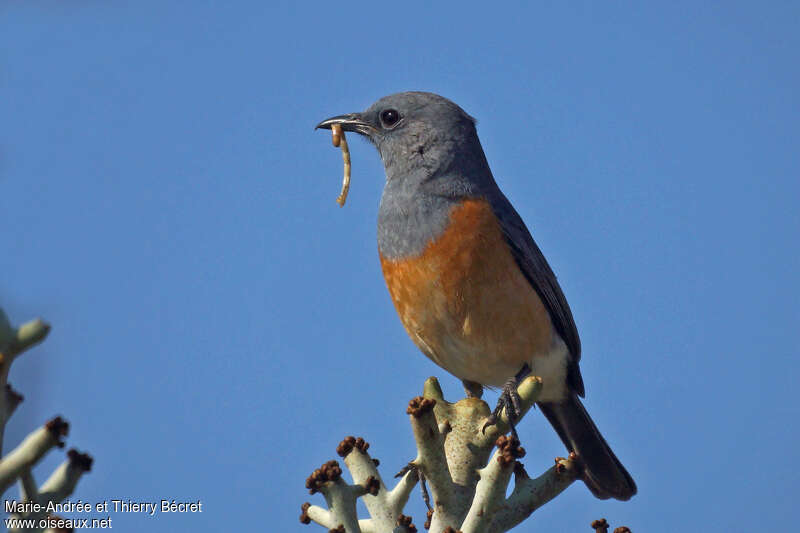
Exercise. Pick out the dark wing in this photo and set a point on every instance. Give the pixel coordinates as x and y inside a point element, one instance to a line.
<point>535,268</point>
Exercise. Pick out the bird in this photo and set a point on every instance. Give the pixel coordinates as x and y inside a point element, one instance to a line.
<point>471,287</point>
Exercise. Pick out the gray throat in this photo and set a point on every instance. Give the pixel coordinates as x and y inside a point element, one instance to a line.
<point>421,191</point>
<point>415,212</point>
<point>409,218</point>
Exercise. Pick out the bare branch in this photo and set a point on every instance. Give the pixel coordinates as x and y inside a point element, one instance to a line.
<point>453,456</point>
<point>30,450</point>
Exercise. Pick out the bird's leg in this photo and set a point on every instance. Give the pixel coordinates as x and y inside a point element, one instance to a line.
<point>509,399</point>
<point>474,390</point>
<point>421,477</point>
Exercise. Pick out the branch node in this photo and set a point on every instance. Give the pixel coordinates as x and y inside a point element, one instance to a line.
<point>405,521</point>
<point>372,485</point>
<point>350,442</point>
<point>419,406</point>
<point>304,518</point>
<point>80,460</point>
<point>58,427</point>
<point>509,449</point>
<point>330,471</point>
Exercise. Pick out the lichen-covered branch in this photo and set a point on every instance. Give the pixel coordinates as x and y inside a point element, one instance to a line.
<point>468,489</point>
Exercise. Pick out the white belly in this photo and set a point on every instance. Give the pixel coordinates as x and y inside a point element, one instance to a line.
<point>463,360</point>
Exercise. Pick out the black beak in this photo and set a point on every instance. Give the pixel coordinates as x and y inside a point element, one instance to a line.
<point>349,122</point>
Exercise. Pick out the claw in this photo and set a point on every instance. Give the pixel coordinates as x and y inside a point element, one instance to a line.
<point>492,420</point>
<point>421,477</point>
<point>403,471</point>
<point>510,400</point>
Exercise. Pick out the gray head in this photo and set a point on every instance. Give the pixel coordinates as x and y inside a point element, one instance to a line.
<point>433,159</point>
<point>419,136</point>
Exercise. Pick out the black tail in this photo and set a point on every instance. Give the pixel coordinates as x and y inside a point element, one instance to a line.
<point>604,474</point>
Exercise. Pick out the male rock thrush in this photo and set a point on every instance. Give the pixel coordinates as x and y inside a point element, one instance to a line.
<point>472,289</point>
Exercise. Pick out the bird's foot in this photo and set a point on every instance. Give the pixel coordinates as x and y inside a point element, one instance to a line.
<point>411,467</point>
<point>510,400</point>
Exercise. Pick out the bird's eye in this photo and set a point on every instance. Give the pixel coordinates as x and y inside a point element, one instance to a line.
<point>389,117</point>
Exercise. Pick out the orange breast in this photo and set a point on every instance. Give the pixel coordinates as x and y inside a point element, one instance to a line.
<point>466,304</point>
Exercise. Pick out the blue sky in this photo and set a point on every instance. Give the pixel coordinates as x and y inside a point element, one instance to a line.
<point>219,323</point>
